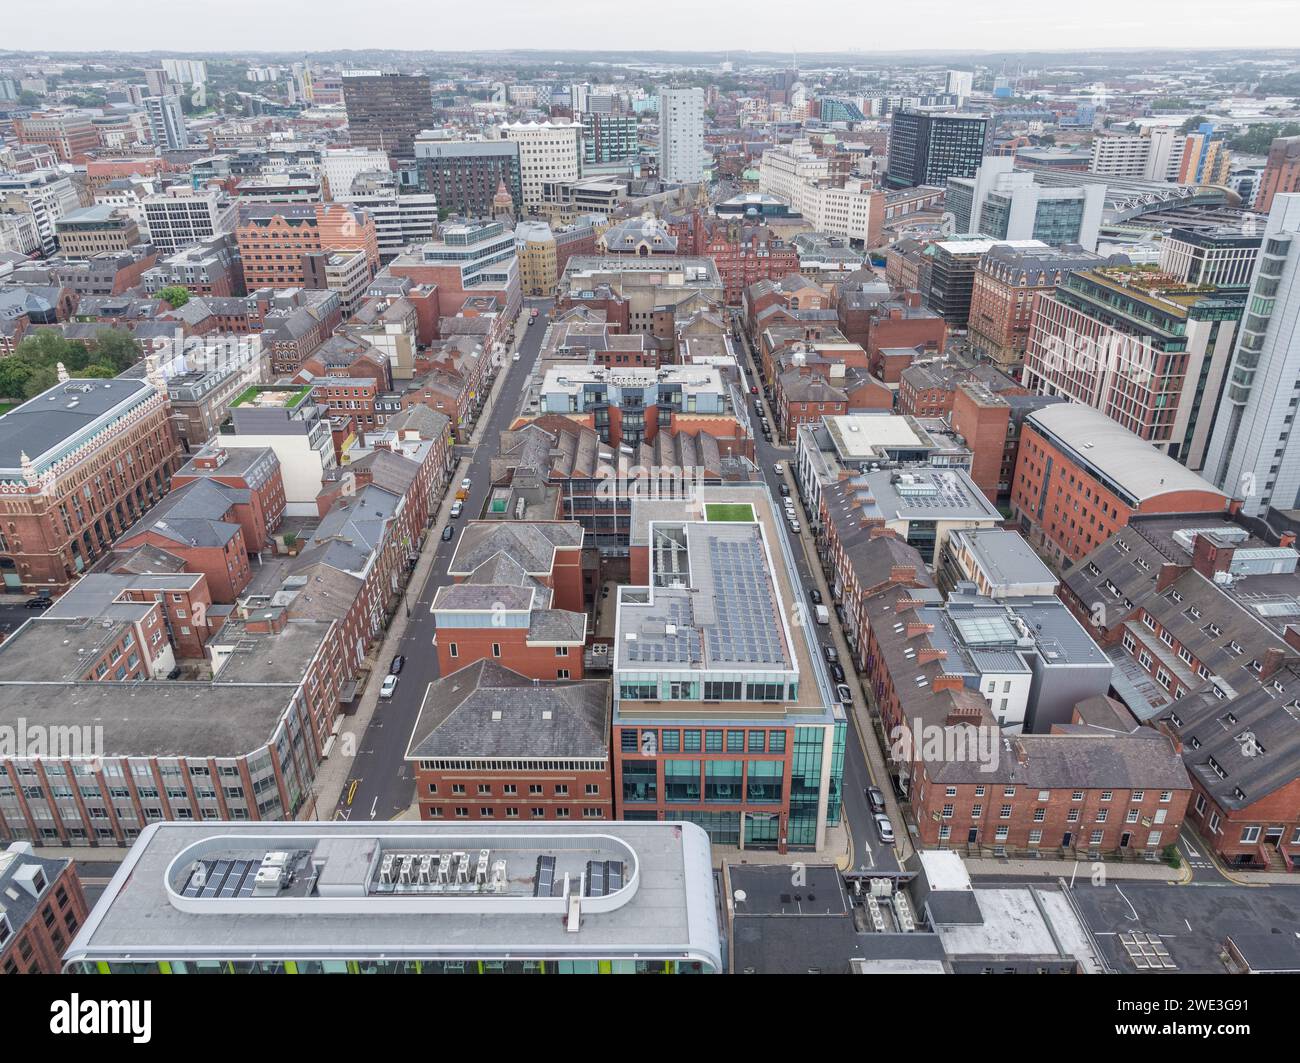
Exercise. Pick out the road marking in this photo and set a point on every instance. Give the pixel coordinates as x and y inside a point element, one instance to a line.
<point>1134,917</point>
<point>352,791</point>
<point>374,805</point>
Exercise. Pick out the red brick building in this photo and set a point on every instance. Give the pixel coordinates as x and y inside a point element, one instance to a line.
<point>79,464</point>
<point>1097,784</point>
<point>983,420</point>
<point>1080,477</point>
<point>255,470</point>
<point>201,525</point>
<point>744,254</point>
<point>876,319</point>
<point>275,240</point>
<point>42,909</point>
<point>491,744</point>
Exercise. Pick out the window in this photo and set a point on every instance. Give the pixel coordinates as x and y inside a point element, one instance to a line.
<point>496,649</point>
<point>1097,836</point>
<point>1035,836</point>
<point>1005,812</point>
<point>947,812</point>
<point>1073,816</point>
<point>1106,795</point>
<point>1250,834</point>
<point>1077,795</point>
<point>451,649</point>
<point>1138,795</point>
<point>1040,814</point>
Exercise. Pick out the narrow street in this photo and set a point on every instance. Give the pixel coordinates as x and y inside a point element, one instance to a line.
<point>381,784</point>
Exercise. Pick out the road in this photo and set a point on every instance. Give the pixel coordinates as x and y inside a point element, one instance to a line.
<point>869,851</point>
<point>384,785</point>
<point>383,782</point>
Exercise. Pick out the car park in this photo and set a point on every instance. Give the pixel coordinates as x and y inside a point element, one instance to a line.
<point>396,666</point>
<point>875,799</point>
<point>884,828</point>
<point>389,688</point>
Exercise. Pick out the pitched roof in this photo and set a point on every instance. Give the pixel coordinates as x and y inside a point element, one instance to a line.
<point>486,710</point>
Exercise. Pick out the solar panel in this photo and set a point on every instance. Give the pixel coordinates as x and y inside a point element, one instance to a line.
<point>544,882</point>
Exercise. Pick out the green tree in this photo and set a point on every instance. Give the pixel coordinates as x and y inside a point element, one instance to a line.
<point>117,348</point>
<point>42,379</point>
<point>175,295</point>
<point>1192,123</point>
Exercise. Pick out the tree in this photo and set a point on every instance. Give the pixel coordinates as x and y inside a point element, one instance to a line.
<point>175,295</point>
<point>41,380</point>
<point>1192,123</point>
<point>117,348</point>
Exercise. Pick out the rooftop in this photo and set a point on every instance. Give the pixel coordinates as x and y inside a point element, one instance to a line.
<point>1136,468</point>
<point>409,891</point>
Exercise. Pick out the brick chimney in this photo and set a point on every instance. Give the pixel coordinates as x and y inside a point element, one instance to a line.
<point>904,604</point>
<point>918,627</point>
<point>1291,635</point>
<point>1210,555</point>
<point>1286,539</point>
<point>1271,661</point>
<point>931,653</point>
<point>968,714</point>
<point>902,573</point>
<point>879,531</point>
<point>1169,573</point>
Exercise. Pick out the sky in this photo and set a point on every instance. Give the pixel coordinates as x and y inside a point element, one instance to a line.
<point>766,25</point>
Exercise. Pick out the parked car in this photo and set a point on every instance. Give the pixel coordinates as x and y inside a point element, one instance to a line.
<point>779,469</point>
<point>457,508</point>
<point>516,356</point>
<point>875,798</point>
<point>814,596</point>
<point>838,673</point>
<point>844,694</point>
<point>884,828</point>
<point>784,488</point>
<point>753,389</point>
<point>389,688</point>
<point>821,614</point>
<point>832,654</point>
<point>447,533</point>
<point>396,666</point>
<point>794,526</point>
<point>466,483</point>
<point>41,601</point>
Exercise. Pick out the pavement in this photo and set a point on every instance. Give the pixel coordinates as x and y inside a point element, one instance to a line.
<point>366,774</point>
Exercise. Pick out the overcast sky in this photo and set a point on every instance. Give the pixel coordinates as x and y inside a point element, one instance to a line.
<point>767,25</point>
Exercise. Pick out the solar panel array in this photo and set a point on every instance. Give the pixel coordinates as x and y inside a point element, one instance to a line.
<point>655,645</point>
<point>222,878</point>
<point>747,629</point>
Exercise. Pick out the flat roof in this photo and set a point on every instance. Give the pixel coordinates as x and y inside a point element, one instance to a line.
<point>1120,457</point>
<point>862,435</point>
<point>1004,556</point>
<point>51,423</point>
<point>338,905</point>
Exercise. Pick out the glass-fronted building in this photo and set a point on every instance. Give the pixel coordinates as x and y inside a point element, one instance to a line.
<point>407,897</point>
<point>723,714</point>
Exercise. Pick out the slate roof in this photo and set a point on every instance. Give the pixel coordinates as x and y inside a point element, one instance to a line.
<point>350,533</point>
<point>1254,739</point>
<point>193,515</point>
<point>486,710</point>
<point>531,544</point>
